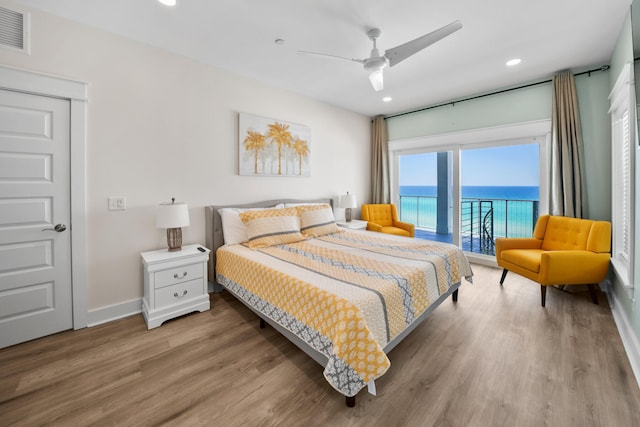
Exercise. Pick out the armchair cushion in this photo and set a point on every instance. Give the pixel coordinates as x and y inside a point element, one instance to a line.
<point>398,231</point>
<point>564,233</point>
<point>525,258</point>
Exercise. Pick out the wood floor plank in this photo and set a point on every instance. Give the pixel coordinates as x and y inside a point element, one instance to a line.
<point>494,358</point>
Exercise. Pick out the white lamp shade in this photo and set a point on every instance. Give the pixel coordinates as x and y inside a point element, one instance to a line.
<point>172,215</point>
<point>348,201</point>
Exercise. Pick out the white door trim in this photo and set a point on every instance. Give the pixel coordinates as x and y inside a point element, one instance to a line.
<point>76,92</point>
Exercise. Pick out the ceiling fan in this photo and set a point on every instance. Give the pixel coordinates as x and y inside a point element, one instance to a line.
<point>376,62</point>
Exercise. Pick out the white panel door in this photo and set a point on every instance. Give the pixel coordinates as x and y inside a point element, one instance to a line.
<point>35,234</point>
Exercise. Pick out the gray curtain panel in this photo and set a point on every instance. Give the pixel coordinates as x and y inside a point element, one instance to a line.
<point>380,162</point>
<point>566,195</point>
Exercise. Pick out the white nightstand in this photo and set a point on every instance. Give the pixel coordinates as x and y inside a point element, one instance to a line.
<point>355,224</point>
<point>175,283</point>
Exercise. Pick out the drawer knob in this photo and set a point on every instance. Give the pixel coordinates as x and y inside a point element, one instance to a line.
<point>180,296</point>
<point>184,274</point>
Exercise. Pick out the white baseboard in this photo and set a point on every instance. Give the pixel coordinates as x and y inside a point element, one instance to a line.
<point>114,312</point>
<point>629,339</point>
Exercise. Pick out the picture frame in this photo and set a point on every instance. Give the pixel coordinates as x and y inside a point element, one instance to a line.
<point>270,147</point>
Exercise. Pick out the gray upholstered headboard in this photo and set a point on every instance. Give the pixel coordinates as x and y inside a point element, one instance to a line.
<point>214,236</point>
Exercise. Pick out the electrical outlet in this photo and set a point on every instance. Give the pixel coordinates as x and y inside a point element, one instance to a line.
<point>117,203</point>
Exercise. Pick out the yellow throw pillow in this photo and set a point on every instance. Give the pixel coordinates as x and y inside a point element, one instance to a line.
<point>304,207</point>
<point>272,227</point>
<point>316,221</point>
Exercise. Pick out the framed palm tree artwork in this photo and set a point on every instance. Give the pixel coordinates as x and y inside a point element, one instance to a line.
<point>269,147</point>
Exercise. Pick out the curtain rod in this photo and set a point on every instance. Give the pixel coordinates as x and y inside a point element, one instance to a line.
<point>452,103</point>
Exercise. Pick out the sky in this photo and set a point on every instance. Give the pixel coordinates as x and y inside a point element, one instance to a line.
<point>514,165</point>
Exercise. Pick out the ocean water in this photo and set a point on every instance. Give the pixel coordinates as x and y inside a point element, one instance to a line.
<point>477,192</point>
<point>509,211</point>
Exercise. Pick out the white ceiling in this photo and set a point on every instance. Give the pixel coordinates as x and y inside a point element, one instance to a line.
<point>239,35</point>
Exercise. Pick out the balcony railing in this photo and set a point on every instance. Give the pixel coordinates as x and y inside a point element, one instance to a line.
<point>482,220</point>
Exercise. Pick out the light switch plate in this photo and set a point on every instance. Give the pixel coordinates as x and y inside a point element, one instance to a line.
<point>117,203</point>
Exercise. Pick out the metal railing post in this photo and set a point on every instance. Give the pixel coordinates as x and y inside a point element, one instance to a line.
<point>506,218</point>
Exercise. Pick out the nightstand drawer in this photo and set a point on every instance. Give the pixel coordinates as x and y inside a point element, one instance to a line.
<point>178,275</point>
<point>182,291</point>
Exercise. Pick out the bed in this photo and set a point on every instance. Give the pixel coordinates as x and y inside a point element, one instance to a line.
<point>345,297</point>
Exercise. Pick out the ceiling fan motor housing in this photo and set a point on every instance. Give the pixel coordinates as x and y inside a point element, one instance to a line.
<point>375,63</point>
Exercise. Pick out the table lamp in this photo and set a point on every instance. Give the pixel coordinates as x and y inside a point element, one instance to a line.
<point>173,216</point>
<point>348,202</point>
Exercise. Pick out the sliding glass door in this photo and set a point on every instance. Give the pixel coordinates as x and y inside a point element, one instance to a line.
<point>426,194</point>
<point>496,194</point>
<point>500,194</point>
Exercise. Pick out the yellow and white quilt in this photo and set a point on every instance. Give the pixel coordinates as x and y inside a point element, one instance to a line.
<point>346,294</point>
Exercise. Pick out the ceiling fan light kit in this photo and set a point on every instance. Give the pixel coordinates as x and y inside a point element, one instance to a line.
<point>376,80</point>
<point>375,63</point>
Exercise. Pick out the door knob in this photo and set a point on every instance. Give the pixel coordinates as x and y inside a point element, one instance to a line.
<point>58,227</point>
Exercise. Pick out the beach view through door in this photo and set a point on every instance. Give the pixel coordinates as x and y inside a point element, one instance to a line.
<point>499,194</point>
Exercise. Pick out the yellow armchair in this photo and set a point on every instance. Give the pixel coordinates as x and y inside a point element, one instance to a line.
<point>384,219</point>
<point>562,251</point>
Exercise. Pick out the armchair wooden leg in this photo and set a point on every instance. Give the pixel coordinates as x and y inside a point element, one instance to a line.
<point>504,274</point>
<point>543,294</point>
<point>592,292</point>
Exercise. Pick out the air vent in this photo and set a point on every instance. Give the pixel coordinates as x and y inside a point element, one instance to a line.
<point>13,30</point>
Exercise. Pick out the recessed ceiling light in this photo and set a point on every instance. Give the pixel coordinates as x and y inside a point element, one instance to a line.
<point>168,2</point>
<point>387,99</point>
<point>514,61</point>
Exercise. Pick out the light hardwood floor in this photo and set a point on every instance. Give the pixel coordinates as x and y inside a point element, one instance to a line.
<point>495,358</point>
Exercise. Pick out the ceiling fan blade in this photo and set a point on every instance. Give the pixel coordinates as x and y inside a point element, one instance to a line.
<point>403,51</point>
<point>306,52</point>
<point>376,79</point>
